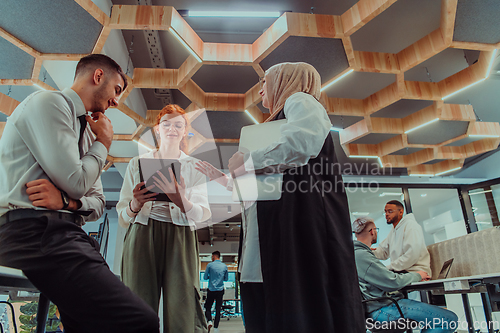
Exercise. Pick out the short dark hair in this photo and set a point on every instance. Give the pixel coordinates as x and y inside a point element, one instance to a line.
<point>396,203</point>
<point>216,253</point>
<point>95,61</point>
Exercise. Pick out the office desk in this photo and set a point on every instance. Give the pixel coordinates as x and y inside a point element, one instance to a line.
<point>486,284</point>
<point>14,280</point>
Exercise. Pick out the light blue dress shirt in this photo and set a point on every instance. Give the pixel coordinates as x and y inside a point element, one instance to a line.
<point>216,273</point>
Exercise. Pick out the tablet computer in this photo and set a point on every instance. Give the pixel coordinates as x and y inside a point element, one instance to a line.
<point>148,167</point>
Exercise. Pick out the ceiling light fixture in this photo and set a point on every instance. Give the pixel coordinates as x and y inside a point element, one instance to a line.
<point>142,144</point>
<point>447,171</point>
<point>389,193</point>
<point>185,44</point>
<point>491,63</point>
<point>360,213</point>
<point>251,117</point>
<point>421,174</point>
<point>459,90</point>
<point>480,192</point>
<point>39,87</point>
<point>380,161</point>
<point>363,156</point>
<point>420,126</point>
<point>213,13</point>
<point>484,136</point>
<point>337,79</point>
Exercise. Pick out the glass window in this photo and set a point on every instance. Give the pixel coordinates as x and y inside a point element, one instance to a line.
<point>480,208</point>
<point>370,202</point>
<point>439,213</point>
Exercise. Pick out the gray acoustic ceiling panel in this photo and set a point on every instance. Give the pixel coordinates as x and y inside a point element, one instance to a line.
<point>399,26</point>
<point>226,152</point>
<point>51,26</point>
<point>19,93</point>
<point>226,79</point>
<point>439,67</point>
<point>124,149</point>
<point>14,62</point>
<point>223,125</point>
<point>44,76</point>
<point>206,153</point>
<point>154,102</point>
<point>359,85</point>
<point>343,121</point>
<point>477,21</point>
<point>406,151</point>
<point>327,55</point>
<point>438,132</point>
<point>402,108</point>
<point>261,108</point>
<point>374,138</point>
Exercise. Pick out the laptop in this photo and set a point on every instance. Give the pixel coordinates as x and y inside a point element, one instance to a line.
<point>267,186</point>
<point>445,269</point>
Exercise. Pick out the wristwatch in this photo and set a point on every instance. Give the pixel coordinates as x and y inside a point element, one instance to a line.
<point>65,199</point>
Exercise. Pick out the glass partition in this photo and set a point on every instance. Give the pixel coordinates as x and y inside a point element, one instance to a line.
<point>370,201</point>
<point>439,213</point>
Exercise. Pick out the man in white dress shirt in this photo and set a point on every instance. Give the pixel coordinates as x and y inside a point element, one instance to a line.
<point>50,168</point>
<point>405,244</point>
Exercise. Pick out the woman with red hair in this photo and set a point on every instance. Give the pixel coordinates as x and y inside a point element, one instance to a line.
<point>161,247</point>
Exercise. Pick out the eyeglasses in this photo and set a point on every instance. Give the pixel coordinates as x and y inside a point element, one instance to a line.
<point>262,80</point>
<point>374,228</point>
<point>178,124</point>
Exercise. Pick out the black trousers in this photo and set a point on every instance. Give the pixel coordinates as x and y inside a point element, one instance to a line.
<point>63,262</point>
<point>211,297</point>
<point>254,309</point>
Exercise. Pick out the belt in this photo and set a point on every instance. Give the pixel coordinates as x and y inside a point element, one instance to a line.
<point>20,214</point>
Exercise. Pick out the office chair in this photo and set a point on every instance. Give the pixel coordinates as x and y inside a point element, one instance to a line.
<point>396,330</point>
<point>227,310</point>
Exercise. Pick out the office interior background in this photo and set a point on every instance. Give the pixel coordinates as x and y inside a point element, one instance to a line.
<point>411,87</point>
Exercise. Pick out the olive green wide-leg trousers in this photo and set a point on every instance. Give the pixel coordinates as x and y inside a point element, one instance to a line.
<point>165,256</point>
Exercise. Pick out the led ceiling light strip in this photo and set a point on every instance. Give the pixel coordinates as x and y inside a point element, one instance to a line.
<point>459,90</point>
<point>140,143</point>
<point>185,44</point>
<point>447,171</point>
<point>251,117</point>
<point>420,126</point>
<point>483,136</point>
<point>199,13</point>
<point>491,63</point>
<point>337,79</point>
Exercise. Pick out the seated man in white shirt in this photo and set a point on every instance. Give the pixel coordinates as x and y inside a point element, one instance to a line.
<point>405,244</point>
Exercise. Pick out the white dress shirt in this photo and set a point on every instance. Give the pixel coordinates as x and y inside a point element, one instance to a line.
<point>196,192</point>
<point>40,141</point>
<point>301,138</point>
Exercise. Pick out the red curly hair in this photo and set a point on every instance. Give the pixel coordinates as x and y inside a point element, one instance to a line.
<point>170,109</point>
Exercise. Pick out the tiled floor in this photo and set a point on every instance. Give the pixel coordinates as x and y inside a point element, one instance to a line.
<point>233,325</point>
